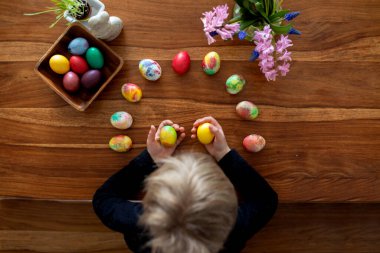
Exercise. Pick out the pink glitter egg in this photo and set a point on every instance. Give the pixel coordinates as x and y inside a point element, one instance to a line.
<point>254,143</point>
<point>131,92</point>
<point>247,110</point>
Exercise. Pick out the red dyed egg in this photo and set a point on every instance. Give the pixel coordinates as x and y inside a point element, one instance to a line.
<point>78,64</point>
<point>71,82</point>
<point>181,62</point>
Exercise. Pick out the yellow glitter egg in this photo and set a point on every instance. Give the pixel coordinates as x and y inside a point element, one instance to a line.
<point>120,143</point>
<point>168,136</point>
<point>131,92</point>
<point>204,134</point>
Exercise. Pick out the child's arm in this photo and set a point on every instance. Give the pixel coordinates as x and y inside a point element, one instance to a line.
<point>111,202</point>
<point>259,199</point>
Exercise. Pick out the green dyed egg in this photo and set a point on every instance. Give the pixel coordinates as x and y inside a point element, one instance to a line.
<point>235,84</point>
<point>95,58</point>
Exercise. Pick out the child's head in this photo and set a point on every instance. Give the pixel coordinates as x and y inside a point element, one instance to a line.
<point>189,206</point>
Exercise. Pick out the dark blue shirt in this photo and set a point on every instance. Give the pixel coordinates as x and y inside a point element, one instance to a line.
<point>258,201</point>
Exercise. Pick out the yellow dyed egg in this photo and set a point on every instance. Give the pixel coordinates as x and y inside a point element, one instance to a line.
<point>59,64</point>
<point>120,143</point>
<point>168,136</point>
<point>204,134</point>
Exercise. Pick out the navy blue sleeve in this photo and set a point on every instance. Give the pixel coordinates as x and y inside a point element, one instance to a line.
<point>258,204</point>
<point>111,201</point>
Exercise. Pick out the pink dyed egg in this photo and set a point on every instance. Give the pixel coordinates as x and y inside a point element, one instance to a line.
<point>254,143</point>
<point>71,82</point>
<point>181,62</point>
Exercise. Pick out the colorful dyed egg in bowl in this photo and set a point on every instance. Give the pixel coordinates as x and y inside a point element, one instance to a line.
<point>74,41</point>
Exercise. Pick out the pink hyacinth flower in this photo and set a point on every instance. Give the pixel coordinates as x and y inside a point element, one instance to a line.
<point>284,69</point>
<point>213,23</point>
<point>283,43</point>
<point>285,56</point>
<point>271,75</point>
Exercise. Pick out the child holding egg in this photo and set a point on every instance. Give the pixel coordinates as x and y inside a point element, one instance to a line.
<point>190,204</point>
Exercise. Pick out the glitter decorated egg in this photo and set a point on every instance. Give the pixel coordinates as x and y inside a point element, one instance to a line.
<point>235,84</point>
<point>254,143</point>
<point>150,69</point>
<point>131,92</point>
<point>204,134</point>
<point>181,62</point>
<point>78,46</point>
<point>59,64</point>
<point>247,110</point>
<point>121,120</point>
<point>95,58</point>
<point>211,63</point>
<point>168,136</point>
<point>120,143</point>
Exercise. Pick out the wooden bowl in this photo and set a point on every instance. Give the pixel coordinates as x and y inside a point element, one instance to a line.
<point>83,98</point>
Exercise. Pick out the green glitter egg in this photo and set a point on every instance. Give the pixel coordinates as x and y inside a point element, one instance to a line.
<point>235,84</point>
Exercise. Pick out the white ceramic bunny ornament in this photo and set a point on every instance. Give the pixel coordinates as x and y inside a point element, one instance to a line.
<point>105,27</point>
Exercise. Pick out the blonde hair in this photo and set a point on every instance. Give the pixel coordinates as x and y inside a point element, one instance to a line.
<point>190,206</point>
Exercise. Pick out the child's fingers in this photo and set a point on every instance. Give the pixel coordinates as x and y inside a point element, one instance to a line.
<point>217,132</point>
<point>193,136</point>
<point>180,138</point>
<point>162,124</point>
<point>176,127</point>
<point>207,119</point>
<point>151,134</point>
<point>193,130</point>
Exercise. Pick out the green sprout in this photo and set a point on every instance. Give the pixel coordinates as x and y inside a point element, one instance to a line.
<point>75,8</point>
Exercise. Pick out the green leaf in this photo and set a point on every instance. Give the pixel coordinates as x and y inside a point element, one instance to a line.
<point>245,24</point>
<point>280,29</point>
<point>279,14</point>
<point>239,2</point>
<point>267,5</point>
<point>260,9</point>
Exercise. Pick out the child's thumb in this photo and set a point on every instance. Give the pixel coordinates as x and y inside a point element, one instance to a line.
<point>152,133</point>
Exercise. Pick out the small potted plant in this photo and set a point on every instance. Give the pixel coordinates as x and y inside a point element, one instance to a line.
<point>73,10</point>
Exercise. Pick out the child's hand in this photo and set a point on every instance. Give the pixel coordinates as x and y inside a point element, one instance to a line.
<point>154,147</point>
<point>219,147</point>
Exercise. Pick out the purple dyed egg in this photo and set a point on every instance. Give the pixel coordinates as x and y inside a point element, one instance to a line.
<point>91,79</point>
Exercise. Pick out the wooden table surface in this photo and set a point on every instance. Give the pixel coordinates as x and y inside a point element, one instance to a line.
<point>321,122</point>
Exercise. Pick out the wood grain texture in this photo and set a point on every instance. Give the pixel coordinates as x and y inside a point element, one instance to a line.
<point>321,122</point>
<point>51,226</point>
